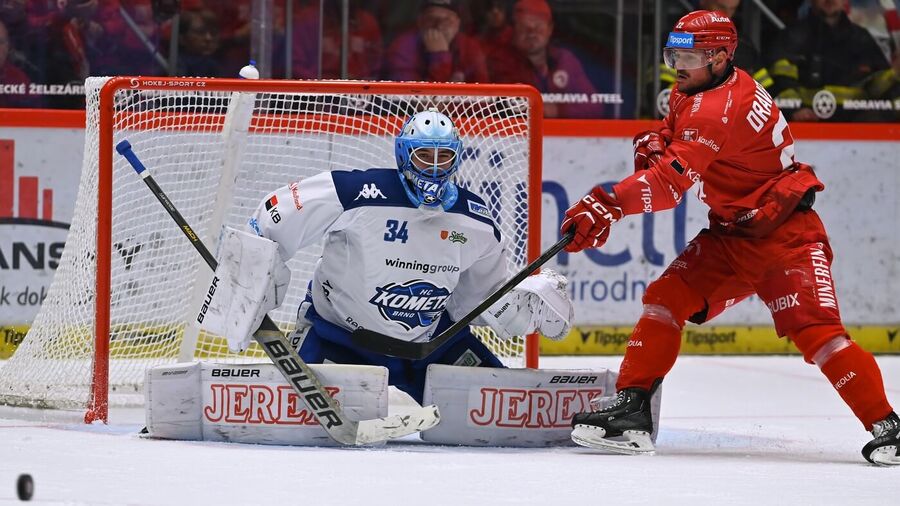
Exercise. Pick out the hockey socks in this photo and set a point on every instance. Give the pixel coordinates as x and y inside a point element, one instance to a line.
<point>855,375</point>
<point>650,354</point>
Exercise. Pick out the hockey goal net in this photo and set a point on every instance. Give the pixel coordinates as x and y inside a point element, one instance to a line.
<point>129,284</point>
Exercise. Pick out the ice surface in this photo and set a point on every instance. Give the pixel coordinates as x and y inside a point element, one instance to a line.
<point>734,430</point>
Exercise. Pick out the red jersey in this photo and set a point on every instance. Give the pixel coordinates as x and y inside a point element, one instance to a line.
<point>732,144</point>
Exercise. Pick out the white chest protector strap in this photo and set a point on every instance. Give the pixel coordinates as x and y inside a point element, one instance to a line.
<point>250,280</point>
<point>540,303</point>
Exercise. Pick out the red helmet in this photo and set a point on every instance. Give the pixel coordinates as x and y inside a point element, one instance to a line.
<point>710,30</point>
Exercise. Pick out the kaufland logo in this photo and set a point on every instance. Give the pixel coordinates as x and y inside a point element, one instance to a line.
<point>680,40</point>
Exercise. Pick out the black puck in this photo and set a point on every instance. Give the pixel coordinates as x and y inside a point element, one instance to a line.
<point>25,487</point>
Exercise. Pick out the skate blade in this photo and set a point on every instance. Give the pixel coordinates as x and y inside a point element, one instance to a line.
<point>885,456</point>
<point>632,442</point>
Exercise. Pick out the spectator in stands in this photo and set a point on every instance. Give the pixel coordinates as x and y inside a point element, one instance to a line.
<point>74,38</point>
<point>746,56</point>
<point>533,59</point>
<point>235,24</point>
<point>436,50</point>
<point>14,83</point>
<point>495,30</point>
<point>129,39</point>
<point>825,51</point>
<point>199,42</point>
<point>365,52</point>
<point>26,26</point>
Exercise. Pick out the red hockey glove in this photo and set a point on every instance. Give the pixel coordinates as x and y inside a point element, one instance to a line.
<point>591,218</point>
<point>649,148</point>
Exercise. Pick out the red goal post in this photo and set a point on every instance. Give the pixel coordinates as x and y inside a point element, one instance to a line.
<point>240,139</point>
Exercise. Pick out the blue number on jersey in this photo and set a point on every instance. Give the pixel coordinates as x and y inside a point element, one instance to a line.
<point>395,231</point>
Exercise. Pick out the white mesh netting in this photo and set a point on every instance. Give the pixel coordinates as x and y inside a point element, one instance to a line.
<point>216,167</point>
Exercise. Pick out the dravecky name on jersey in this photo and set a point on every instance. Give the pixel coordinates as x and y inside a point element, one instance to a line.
<point>370,191</point>
<point>415,303</point>
<point>415,265</point>
<point>761,109</point>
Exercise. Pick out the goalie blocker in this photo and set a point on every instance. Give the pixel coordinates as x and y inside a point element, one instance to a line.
<point>251,403</point>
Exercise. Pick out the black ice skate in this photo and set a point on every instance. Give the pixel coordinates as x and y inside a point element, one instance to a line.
<point>885,448</point>
<point>621,427</point>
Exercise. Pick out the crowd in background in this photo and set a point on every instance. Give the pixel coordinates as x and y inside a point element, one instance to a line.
<point>565,49</point>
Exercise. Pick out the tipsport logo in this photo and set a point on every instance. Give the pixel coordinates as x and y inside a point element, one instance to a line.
<point>412,304</point>
<point>680,40</point>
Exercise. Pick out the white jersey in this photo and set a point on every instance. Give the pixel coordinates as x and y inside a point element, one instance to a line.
<point>386,265</point>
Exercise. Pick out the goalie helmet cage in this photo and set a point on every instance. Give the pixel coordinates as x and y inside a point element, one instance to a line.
<point>129,287</point>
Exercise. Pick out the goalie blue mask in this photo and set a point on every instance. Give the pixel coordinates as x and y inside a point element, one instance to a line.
<point>427,152</point>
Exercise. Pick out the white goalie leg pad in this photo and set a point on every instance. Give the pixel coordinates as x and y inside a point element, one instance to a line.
<point>540,303</point>
<point>252,403</point>
<point>250,280</point>
<point>484,406</point>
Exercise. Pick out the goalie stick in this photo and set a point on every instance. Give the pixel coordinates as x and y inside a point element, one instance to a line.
<point>291,366</point>
<point>394,347</point>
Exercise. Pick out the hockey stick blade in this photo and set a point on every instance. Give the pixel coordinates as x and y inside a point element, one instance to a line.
<point>289,364</point>
<point>387,345</point>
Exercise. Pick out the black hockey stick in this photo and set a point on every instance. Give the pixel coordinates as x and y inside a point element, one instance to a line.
<point>394,347</point>
<point>291,366</point>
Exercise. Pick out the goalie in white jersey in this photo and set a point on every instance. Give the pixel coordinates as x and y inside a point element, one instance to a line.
<point>403,256</point>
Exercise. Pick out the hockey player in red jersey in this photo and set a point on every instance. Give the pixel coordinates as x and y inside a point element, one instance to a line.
<point>725,137</point>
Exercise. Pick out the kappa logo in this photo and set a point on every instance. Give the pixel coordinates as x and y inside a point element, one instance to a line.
<point>370,191</point>
<point>415,303</point>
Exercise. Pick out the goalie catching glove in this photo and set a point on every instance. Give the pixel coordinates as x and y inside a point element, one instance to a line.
<point>250,280</point>
<point>538,304</point>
